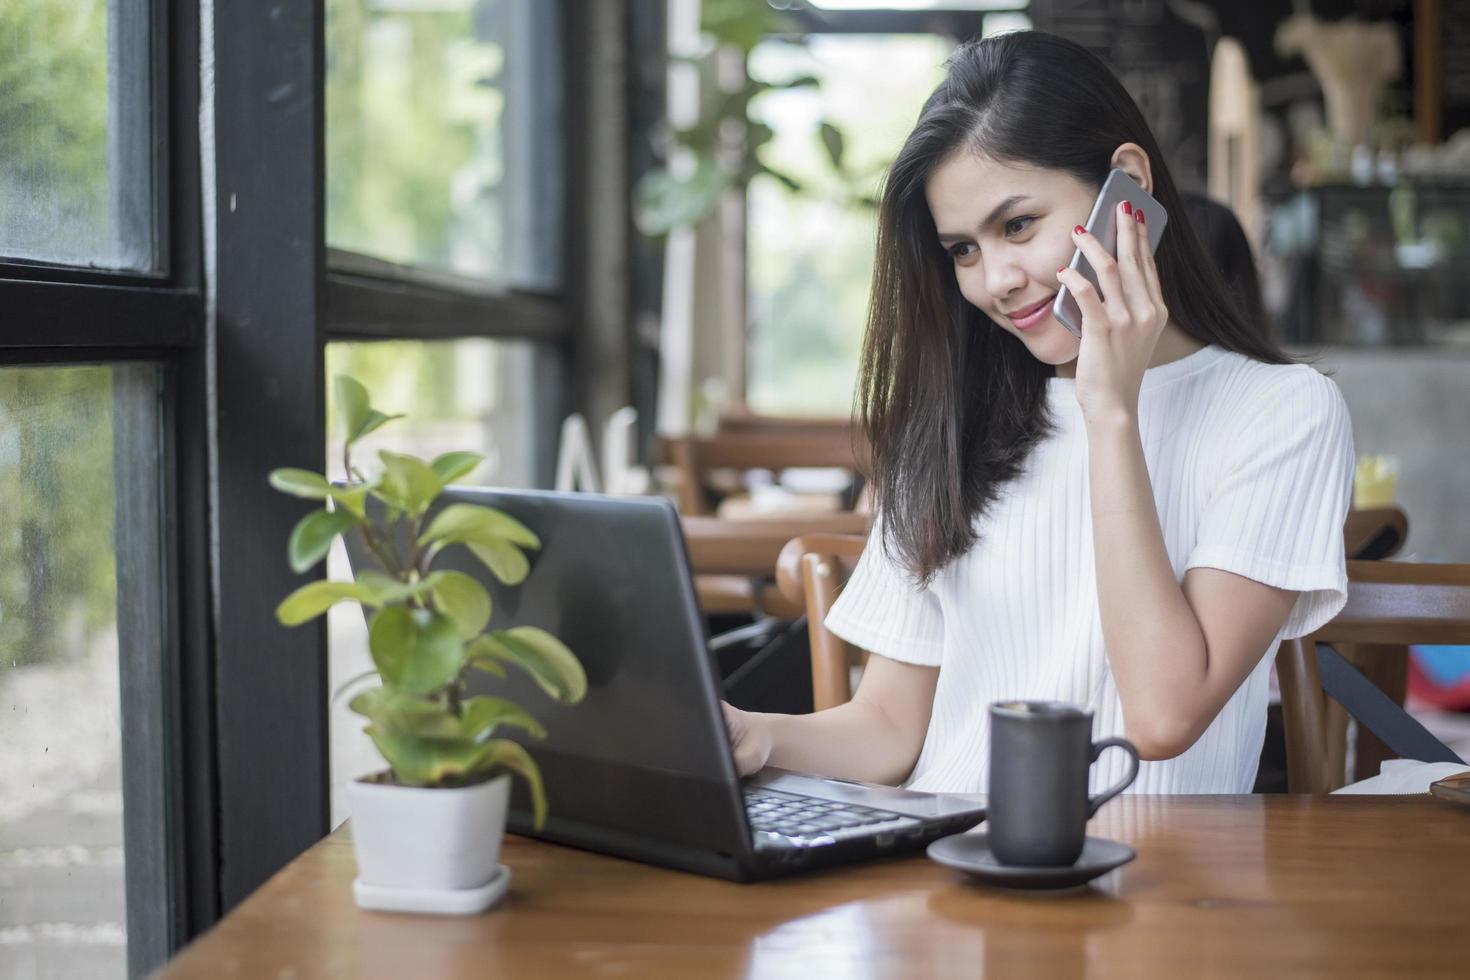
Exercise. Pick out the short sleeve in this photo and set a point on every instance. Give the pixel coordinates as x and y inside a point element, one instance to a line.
<point>883,611</point>
<point>1285,485</point>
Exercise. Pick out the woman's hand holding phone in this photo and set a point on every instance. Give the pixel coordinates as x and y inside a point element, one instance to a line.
<point>1121,324</point>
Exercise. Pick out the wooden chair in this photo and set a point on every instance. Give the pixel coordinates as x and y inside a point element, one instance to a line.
<point>810,571</point>
<point>1390,605</point>
<point>754,448</point>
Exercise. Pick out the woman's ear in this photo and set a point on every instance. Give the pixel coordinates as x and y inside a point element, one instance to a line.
<point>1131,159</point>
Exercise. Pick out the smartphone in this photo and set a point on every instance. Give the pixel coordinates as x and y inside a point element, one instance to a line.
<point>1101,224</point>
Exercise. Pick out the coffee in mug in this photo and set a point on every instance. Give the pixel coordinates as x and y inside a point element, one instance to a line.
<point>1040,755</point>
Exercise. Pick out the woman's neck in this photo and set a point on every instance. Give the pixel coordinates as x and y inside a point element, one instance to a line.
<point>1173,344</point>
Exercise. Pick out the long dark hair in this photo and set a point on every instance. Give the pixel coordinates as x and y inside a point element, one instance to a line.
<point>950,402</point>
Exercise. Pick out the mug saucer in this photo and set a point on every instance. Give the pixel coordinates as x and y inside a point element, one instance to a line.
<point>971,853</point>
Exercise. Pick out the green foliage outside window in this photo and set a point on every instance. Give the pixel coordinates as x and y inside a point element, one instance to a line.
<point>53,129</point>
<point>414,161</point>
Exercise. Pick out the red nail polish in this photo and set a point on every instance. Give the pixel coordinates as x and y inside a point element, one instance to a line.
<point>1127,207</point>
<point>1061,270</point>
<point>1079,230</point>
<point>1139,216</point>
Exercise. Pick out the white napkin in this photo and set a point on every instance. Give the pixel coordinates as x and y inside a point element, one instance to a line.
<point>1404,777</point>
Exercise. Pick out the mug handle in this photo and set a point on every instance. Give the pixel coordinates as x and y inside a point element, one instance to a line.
<point>1097,749</point>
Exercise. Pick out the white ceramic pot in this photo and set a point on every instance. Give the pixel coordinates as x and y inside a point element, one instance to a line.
<point>428,839</point>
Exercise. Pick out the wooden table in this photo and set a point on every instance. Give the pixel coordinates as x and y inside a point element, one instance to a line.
<point>1255,886</point>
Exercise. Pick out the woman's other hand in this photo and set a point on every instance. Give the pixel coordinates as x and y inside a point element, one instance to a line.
<point>749,738</point>
<point>1120,326</point>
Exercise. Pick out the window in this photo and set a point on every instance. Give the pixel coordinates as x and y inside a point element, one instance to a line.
<point>75,134</point>
<point>432,156</point>
<point>99,280</point>
<point>71,472</point>
<point>810,253</point>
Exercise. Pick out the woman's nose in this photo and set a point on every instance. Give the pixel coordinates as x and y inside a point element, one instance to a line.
<point>1003,278</point>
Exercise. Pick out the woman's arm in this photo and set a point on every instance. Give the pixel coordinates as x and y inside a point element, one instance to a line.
<point>875,737</point>
<point>1177,652</point>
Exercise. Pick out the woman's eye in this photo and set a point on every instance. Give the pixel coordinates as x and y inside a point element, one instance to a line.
<point>961,250</point>
<point>1017,225</point>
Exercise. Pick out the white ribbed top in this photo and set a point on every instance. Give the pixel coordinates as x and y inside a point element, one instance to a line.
<point>1251,466</point>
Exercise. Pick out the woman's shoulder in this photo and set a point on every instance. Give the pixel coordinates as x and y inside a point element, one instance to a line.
<point>1246,386</point>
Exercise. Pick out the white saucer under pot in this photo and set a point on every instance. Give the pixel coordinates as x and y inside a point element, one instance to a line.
<point>414,843</point>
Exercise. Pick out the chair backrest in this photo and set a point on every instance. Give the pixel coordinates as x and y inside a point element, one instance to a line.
<point>810,571</point>
<point>1390,604</point>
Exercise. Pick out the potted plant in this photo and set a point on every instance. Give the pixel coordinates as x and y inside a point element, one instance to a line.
<point>427,830</point>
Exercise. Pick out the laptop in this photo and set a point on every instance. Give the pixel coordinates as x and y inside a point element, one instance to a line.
<point>642,767</point>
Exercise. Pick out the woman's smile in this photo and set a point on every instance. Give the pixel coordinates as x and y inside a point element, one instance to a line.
<point>1029,316</point>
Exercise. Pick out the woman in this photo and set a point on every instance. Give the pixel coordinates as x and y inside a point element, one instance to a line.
<point>1129,522</point>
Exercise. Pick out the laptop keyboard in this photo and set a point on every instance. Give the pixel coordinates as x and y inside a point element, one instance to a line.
<point>787,819</point>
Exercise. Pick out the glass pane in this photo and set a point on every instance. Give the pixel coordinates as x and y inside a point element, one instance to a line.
<point>443,135</point>
<point>810,253</point>
<point>63,911</point>
<point>458,395</point>
<point>75,133</point>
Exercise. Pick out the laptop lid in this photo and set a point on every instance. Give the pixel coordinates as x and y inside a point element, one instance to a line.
<point>642,766</point>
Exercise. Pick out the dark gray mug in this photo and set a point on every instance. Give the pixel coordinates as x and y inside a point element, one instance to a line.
<point>1040,754</point>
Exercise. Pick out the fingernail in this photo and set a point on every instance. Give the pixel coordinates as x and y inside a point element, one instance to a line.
<point>1127,207</point>
<point>1139,216</point>
<point>1079,230</point>
<point>1061,270</point>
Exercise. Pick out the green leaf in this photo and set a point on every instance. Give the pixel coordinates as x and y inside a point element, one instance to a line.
<point>832,140</point>
<point>500,753</point>
<point>417,650</point>
<point>419,761</point>
<point>409,483</point>
<point>505,561</point>
<point>485,662</point>
<point>463,600</point>
<point>374,421</point>
<point>666,202</point>
<point>482,525</point>
<point>358,416</point>
<point>406,714</point>
<point>390,591</point>
<point>315,598</point>
<point>539,654</point>
<point>353,403</point>
<point>452,466</point>
<point>482,715</point>
<point>353,499</point>
<point>301,483</point>
<point>312,537</point>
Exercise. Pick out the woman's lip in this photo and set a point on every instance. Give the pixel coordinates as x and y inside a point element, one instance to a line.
<point>1032,315</point>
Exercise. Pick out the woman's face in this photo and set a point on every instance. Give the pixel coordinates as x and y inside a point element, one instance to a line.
<point>1006,229</point>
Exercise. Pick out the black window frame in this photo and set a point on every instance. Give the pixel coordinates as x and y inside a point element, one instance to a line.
<point>58,314</point>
